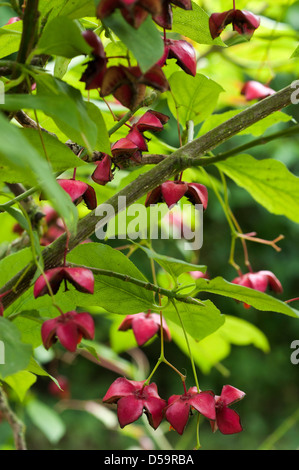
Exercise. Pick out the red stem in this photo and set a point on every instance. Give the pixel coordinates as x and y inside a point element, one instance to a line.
<point>291,300</point>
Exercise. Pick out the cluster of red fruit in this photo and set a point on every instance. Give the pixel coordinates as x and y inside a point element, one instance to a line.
<point>128,148</point>
<point>133,398</point>
<point>128,86</point>
<point>69,327</point>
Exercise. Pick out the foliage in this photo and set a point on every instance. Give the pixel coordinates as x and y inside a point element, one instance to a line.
<point>105,110</point>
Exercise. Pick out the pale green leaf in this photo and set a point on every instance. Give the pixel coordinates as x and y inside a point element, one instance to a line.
<point>194,24</point>
<point>47,420</point>
<point>10,38</point>
<point>115,295</point>
<point>268,181</point>
<point>192,98</point>
<point>62,37</point>
<point>18,154</point>
<point>199,320</point>
<point>173,266</point>
<point>16,353</point>
<point>21,382</point>
<point>259,300</point>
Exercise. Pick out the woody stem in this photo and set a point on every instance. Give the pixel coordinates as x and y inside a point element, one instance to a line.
<point>17,426</point>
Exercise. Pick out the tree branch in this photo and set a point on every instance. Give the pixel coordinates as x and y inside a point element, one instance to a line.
<point>29,34</point>
<point>16,425</point>
<point>169,167</point>
<point>205,161</point>
<point>170,294</point>
<point>26,121</point>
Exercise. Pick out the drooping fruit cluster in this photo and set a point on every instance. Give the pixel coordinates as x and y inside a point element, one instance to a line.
<point>133,398</point>
<point>172,191</point>
<point>70,327</point>
<point>132,146</point>
<point>135,12</point>
<point>128,84</point>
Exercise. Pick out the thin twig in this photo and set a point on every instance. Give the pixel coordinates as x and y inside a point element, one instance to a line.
<point>16,424</point>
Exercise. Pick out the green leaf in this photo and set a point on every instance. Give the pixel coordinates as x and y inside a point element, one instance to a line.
<point>113,294</point>
<point>59,154</point>
<point>243,333</point>
<point>194,24</point>
<point>108,354</point>
<point>146,43</point>
<point>12,264</point>
<point>36,369</point>
<point>214,348</point>
<point>18,154</point>
<point>206,353</point>
<point>173,266</point>
<point>193,98</point>
<point>29,324</point>
<point>18,215</point>
<point>295,53</point>
<point>73,9</point>
<point>74,120</point>
<point>62,37</point>
<point>268,181</point>
<point>47,420</point>
<point>103,142</point>
<point>21,382</point>
<point>61,66</point>
<point>16,354</point>
<point>63,103</point>
<point>10,38</point>
<point>256,299</point>
<point>199,320</point>
<point>121,341</point>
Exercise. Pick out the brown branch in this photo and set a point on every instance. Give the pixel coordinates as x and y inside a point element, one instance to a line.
<point>169,167</point>
<point>26,121</point>
<point>17,426</point>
